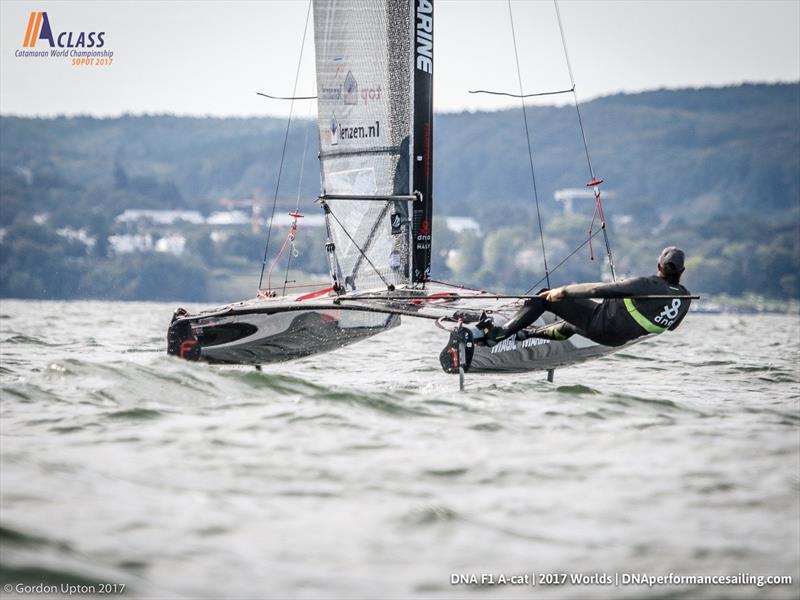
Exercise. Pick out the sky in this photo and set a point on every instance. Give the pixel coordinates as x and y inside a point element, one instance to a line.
<point>210,58</point>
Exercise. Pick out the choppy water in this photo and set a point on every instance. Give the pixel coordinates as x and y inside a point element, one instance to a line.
<point>364,473</point>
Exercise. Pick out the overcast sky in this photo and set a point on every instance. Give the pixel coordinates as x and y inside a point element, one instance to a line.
<point>209,58</point>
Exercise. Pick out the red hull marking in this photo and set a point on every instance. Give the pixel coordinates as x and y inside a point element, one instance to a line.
<point>311,295</point>
<point>186,346</point>
<point>437,297</point>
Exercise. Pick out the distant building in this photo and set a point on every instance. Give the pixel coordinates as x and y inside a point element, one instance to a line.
<point>229,217</point>
<point>460,224</point>
<point>567,195</point>
<point>316,219</point>
<point>79,235</point>
<point>160,217</point>
<point>254,204</point>
<point>125,244</point>
<point>172,244</point>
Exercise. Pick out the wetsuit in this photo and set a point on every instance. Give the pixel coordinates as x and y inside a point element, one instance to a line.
<point>614,321</point>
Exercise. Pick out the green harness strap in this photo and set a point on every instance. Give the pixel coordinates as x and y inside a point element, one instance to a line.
<point>641,319</point>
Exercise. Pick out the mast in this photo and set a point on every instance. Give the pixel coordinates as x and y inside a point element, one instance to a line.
<point>422,157</point>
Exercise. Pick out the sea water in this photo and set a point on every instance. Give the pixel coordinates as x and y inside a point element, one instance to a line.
<point>365,473</point>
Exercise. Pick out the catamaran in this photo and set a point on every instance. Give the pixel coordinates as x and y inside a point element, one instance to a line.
<point>374,80</point>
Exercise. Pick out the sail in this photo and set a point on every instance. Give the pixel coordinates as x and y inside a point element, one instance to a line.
<point>370,106</point>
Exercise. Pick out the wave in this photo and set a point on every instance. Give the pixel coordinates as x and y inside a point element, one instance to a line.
<point>27,340</point>
<point>136,414</point>
<point>576,390</point>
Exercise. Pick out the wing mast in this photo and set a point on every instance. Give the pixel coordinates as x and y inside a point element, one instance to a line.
<point>422,158</point>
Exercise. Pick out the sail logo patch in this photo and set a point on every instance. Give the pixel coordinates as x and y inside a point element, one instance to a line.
<point>360,131</point>
<point>64,44</point>
<point>425,36</point>
<point>349,92</point>
<point>350,89</point>
<point>334,131</point>
<point>396,223</point>
<point>424,236</point>
<point>339,133</point>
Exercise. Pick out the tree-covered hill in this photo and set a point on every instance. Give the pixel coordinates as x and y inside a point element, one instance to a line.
<point>715,169</point>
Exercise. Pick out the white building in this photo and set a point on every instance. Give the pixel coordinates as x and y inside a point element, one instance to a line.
<point>229,217</point>
<point>568,195</point>
<point>124,244</point>
<point>160,217</point>
<point>173,244</point>
<point>461,224</point>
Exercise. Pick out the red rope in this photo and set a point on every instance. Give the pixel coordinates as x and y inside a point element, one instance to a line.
<point>598,211</point>
<point>289,239</point>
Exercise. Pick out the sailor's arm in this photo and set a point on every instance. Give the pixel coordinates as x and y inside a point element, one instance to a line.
<point>618,289</point>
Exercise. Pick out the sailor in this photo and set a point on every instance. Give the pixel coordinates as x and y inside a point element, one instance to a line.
<point>624,314</point>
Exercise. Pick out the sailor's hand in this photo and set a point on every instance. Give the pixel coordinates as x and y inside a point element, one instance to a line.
<point>553,295</point>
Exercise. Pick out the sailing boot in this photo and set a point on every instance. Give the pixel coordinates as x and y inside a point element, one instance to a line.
<point>557,332</point>
<point>524,317</point>
<point>468,316</point>
<point>492,334</point>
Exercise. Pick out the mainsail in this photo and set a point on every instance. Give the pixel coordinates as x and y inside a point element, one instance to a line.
<point>374,63</point>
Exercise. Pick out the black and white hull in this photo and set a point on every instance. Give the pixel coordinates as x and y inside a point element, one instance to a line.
<point>466,346</point>
<point>266,331</point>
<point>535,354</point>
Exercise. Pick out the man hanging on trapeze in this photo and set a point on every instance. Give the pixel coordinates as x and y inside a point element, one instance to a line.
<point>629,309</point>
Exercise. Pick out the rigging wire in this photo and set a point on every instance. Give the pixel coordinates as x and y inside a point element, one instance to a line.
<point>363,253</point>
<point>560,264</point>
<point>455,285</point>
<point>530,150</point>
<point>283,151</point>
<point>570,255</point>
<point>299,188</point>
<point>595,181</point>
<point>289,241</point>
<point>286,97</point>
<point>510,95</point>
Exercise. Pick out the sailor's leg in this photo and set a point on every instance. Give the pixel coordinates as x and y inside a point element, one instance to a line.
<point>525,316</point>
<point>580,313</point>
<point>557,331</point>
<point>576,311</point>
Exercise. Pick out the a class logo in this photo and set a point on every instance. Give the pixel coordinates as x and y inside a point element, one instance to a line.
<point>42,40</point>
<point>39,29</point>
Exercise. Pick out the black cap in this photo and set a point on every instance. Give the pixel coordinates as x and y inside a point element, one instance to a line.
<point>671,256</point>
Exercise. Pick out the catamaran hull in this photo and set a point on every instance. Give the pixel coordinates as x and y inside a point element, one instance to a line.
<point>262,337</point>
<point>519,356</point>
<point>534,354</point>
